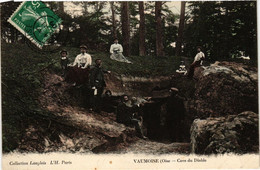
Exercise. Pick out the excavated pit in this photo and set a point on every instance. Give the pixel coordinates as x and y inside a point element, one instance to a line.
<point>160,122</point>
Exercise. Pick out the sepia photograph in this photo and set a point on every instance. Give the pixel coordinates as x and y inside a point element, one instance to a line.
<point>129,85</point>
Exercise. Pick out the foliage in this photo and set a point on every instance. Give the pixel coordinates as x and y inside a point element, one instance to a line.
<point>222,29</point>
<point>8,32</point>
<point>21,83</point>
<point>94,27</point>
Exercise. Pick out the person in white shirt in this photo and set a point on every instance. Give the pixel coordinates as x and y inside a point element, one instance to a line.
<point>198,59</point>
<point>116,51</point>
<point>199,56</point>
<point>116,47</point>
<point>83,60</point>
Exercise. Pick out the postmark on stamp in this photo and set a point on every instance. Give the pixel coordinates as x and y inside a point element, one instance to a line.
<point>36,21</point>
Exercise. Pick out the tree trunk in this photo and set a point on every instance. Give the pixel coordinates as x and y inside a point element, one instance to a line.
<point>85,8</point>
<point>61,6</point>
<point>113,20</point>
<point>180,30</point>
<point>125,28</point>
<point>141,30</point>
<point>159,42</point>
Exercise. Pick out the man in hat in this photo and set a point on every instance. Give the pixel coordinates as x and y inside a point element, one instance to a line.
<point>198,59</point>
<point>97,83</point>
<point>116,51</point>
<point>64,61</point>
<point>83,60</point>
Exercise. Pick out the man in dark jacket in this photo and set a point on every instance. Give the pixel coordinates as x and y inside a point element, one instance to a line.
<point>97,83</point>
<point>64,61</point>
<point>126,113</point>
<point>175,115</point>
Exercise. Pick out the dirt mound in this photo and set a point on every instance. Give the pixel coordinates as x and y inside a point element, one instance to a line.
<point>61,136</point>
<point>71,128</point>
<point>225,88</point>
<point>68,127</point>
<point>233,133</point>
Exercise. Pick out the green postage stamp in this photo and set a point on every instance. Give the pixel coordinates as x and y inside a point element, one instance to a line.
<point>36,21</point>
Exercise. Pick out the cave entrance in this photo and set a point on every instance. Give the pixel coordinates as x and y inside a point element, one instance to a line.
<point>164,120</point>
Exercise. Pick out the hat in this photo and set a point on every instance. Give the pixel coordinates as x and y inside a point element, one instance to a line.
<point>83,46</point>
<point>173,89</point>
<point>63,50</point>
<point>199,47</point>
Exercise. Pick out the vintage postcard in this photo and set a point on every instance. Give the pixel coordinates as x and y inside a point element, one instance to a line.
<point>129,85</point>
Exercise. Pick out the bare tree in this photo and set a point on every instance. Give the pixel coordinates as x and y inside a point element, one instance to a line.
<point>180,30</point>
<point>159,35</point>
<point>141,30</point>
<point>125,27</point>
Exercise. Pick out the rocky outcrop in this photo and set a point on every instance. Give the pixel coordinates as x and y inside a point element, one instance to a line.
<point>224,88</point>
<point>233,133</point>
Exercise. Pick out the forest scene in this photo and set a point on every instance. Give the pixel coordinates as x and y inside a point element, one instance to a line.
<point>156,79</point>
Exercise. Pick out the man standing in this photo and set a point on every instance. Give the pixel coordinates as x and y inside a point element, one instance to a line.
<point>64,61</point>
<point>97,83</point>
<point>175,116</point>
<point>125,114</point>
<point>83,60</point>
<point>116,51</point>
<point>197,62</point>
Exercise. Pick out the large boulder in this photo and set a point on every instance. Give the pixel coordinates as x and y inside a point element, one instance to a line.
<point>233,133</point>
<point>224,88</point>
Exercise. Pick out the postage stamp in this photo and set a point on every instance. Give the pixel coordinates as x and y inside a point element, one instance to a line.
<point>36,21</point>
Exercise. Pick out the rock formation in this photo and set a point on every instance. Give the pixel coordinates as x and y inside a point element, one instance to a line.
<point>225,88</point>
<point>233,133</point>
